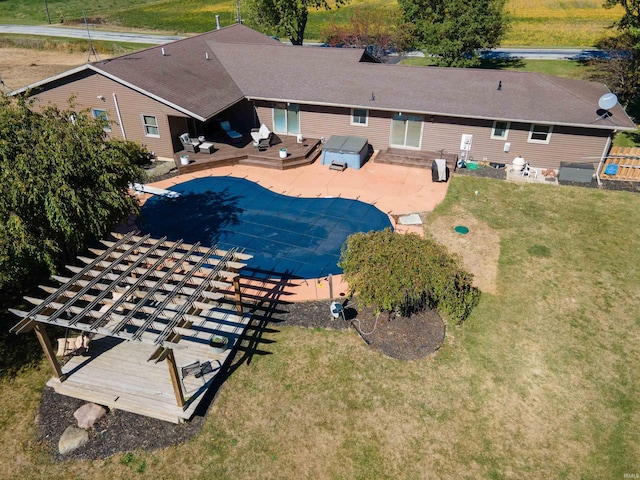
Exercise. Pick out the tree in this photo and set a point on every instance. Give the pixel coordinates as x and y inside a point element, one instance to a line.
<point>620,70</point>
<point>62,184</point>
<point>631,18</point>
<point>378,30</point>
<point>405,273</point>
<point>454,30</point>
<point>285,17</point>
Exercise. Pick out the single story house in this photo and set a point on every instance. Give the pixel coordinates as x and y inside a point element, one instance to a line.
<point>238,75</point>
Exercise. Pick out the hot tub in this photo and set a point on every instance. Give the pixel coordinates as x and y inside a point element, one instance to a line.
<point>350,151</point>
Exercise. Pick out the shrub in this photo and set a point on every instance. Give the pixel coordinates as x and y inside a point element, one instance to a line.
<point>406,273</point>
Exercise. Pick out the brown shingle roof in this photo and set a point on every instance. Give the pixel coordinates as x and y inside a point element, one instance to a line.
<point>244,63</point>
<point>335,77</point>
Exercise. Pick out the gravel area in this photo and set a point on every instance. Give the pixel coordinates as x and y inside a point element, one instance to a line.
<point>119,432</point>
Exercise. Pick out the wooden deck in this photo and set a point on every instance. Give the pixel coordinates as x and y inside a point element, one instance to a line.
<point>628,164</point>
<point>225,154</point>
<point>414,158</point>
<point>119,375</point>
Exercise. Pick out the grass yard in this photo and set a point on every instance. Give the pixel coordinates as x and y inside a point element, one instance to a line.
<point>577,23</point>
<point>540,382</point>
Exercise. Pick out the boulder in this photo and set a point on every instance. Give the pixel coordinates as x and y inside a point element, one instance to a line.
<point>71,439</point>
<point>88,414</point>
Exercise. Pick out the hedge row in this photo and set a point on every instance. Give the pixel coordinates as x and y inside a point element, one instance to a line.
<point>406,273</point>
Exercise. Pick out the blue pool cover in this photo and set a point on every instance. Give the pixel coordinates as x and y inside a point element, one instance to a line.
<point>293,236</point>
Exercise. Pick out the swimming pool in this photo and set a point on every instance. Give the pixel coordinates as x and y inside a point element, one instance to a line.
<point>295,236</point>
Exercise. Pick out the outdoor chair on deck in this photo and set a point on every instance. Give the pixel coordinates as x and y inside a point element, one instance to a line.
<point>261,136</point>
<point>229,132</point>
<point>189,144</point>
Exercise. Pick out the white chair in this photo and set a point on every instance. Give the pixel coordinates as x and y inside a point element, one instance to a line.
<point>261,136</point>
<point>189,144</point>
<point>529,171</point>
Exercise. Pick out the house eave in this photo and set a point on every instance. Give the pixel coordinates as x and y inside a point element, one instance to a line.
<point>443,114</point>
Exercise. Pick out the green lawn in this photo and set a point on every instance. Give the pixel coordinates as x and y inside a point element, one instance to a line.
<point>539,382</point>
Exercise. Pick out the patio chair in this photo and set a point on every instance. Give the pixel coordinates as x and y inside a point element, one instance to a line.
<point>261,136</point>
<point>232,134</point>
<point>189,144</point>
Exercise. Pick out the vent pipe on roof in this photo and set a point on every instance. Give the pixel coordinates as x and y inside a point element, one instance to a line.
<point>162,50</point>
<point>206,55</point>
<point>499,85</point>
<point>217,22</point>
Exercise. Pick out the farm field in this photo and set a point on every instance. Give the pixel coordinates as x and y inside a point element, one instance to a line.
<point>541,23</point>
<point>539,382</point>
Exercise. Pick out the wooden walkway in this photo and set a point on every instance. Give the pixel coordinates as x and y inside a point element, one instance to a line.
<point>627,161</point>
<point>119,375</point>
<point>414,158</point>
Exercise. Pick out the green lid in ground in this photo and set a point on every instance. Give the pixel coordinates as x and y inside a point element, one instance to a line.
<point>461,229</point>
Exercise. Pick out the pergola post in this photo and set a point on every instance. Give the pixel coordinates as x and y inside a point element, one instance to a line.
<point>45,343</point>
<point>238,294</point>
<point>175,378</point>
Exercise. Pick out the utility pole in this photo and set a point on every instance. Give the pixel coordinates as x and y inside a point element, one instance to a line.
<point>46,8</point>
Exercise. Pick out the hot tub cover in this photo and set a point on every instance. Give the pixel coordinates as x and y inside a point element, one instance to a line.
<point>344,144</point>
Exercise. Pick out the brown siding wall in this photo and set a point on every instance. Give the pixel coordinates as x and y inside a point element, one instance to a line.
<point>132,106</point>
<point>445,133</point>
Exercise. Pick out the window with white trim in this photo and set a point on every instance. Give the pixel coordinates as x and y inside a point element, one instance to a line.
<point>540,133</point>
<point>100,114</point>
<point>359,116</point>
<point>150,124</point>
<point>500,130</point>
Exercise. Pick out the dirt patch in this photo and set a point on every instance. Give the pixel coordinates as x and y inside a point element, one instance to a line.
<point>479,248</point>
<point>404,338</point>
<point>21,66</point>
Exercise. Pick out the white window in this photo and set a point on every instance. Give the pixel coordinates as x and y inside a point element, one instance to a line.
<point>359,116</point>
<point>286,118</point>
<point>500,130</point>
<point>102,115</point>
<point>150,124</point>
<point>540,133</point>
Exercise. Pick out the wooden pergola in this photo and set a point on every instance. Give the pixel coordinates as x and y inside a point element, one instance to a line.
<point>144,302</point>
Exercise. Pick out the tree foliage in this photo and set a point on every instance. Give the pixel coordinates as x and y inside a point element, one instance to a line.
<point>285,17</point>
<point>454,30</point>
<point>378,30</point>
<point>405,273</point>
<point>620,70</point>
<point>631,17</point>
<point>62,184</point>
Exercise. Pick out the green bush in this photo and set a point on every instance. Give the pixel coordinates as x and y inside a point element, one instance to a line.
<point>405,274</point>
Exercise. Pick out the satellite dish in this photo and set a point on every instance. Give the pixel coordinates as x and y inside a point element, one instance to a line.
<point>607,101</point>
<point>336,309</point>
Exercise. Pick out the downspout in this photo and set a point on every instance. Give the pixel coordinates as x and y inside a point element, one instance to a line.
<point>604,155</point>
<point>115,101</point>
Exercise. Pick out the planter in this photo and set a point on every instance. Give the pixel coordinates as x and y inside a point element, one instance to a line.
<point>283,153</point>
<point>184,160</point>
<point>219,344</point>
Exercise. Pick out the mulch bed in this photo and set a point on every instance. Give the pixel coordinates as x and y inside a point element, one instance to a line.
<point>119,432</point>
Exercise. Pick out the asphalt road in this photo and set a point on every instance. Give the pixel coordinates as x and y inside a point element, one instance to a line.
<point>53,31</point>
<point>147,38</point>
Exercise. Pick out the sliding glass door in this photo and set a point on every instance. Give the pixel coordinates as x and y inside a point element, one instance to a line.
<point>286,119</point>
<point>406,130</point>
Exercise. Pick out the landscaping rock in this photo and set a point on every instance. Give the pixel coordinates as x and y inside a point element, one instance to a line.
<point>88,414</point>
<point>71,439</point>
